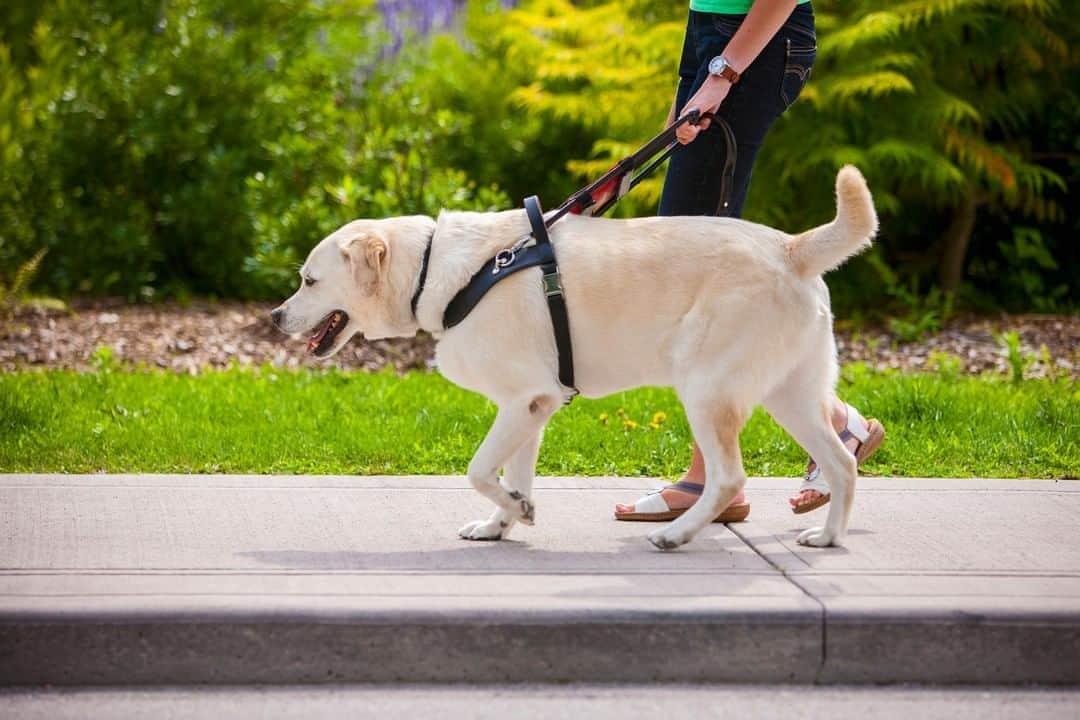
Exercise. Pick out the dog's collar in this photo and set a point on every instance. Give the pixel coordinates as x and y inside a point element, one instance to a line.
<point>423,275</point>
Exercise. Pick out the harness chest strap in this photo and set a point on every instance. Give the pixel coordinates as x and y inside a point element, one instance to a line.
<point>560,320</point>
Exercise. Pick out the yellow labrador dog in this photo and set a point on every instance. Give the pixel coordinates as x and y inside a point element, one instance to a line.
<point>727,312</point>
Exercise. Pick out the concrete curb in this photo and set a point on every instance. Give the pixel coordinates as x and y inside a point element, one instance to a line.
<point>951,646</point>
<point>770,646</point>
<point>439,647</point>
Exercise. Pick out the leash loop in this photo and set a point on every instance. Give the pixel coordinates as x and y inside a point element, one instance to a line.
<point>599,196</point>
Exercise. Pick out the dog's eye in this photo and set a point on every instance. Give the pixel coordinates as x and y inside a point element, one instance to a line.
<point>309,281</point>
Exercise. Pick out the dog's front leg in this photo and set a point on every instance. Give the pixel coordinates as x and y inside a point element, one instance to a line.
<point>518,476</point>
<point>515,436</point>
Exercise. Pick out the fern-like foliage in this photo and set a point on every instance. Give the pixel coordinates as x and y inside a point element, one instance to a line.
<point>11,295</point>
<point>940,92</point>
<point>931,98</point>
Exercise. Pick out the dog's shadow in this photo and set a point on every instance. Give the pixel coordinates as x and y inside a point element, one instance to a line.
<point>712,553</point>
<point>503,556</point>
<point>629,568</point>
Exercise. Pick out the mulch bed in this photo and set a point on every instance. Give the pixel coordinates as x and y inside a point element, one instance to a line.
<point>203,335</point>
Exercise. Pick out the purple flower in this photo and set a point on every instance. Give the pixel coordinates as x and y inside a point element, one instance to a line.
<point>421,16</point>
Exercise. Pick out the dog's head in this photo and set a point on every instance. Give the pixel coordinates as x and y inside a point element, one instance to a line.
<point>350,284</point>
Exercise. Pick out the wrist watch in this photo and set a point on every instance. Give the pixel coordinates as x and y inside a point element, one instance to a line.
<point>720,66</point>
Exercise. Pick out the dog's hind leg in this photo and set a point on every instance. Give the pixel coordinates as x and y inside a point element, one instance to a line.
<point>517,424</point>
<point>801,405</point>
<point>517,476</point>
<point>716,423</point>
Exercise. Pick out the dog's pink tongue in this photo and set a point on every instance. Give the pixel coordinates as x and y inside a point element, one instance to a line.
<point>314,340</point>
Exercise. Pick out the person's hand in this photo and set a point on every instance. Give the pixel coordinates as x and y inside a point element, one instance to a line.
<point>706,99</point>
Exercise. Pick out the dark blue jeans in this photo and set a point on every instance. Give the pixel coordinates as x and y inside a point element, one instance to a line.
<point>710,176</point>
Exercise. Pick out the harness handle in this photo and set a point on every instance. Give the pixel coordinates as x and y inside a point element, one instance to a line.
<point>600,195</point>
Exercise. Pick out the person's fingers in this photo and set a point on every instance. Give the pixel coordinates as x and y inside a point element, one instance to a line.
<point>704,124</point>
<point>686,134</point>
<point>687,110</point>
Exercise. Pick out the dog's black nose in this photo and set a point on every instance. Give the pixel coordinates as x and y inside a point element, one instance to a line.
<point>275,316</point>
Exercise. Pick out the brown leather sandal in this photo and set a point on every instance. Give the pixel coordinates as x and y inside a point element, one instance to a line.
<point>870,436</point>
<point>653,507</point>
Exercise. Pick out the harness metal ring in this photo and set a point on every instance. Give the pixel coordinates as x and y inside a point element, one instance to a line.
<point>502,259</point>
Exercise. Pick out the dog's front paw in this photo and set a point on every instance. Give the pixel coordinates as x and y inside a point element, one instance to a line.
<point>818,537</point>
<point>491,529</point>
<point>666,540</point>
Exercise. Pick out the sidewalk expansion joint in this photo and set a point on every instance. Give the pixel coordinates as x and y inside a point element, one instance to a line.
<point>784,573</point>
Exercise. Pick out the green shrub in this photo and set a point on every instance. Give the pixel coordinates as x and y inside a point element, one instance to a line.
<point>204,145</point>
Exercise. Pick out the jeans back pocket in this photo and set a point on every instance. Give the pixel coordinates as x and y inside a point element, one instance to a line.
<point>798,62</point>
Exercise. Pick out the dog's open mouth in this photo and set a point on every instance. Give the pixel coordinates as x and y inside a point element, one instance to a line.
<point>323,339</point>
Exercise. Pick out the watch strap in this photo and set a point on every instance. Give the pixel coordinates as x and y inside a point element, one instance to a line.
<point>727,72</point>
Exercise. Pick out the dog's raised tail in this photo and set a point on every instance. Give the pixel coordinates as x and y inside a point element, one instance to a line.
<point>817,251</point>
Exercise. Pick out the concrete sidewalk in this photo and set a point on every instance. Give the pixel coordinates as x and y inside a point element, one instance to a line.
<point>253,579</point>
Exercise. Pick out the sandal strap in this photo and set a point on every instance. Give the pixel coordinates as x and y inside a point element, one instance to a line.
<point>654,502</point>
<point>856,429</point>
<point>688,487</point>
<point>814,481</point>
<point>856,426</point>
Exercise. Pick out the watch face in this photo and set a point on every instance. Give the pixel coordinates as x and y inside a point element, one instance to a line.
<point>717,65</point>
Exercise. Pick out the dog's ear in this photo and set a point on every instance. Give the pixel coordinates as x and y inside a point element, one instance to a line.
<point>369,257</point>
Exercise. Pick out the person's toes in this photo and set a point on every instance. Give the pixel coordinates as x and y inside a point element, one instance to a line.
<point>673,498</point>
<point>677,500</point>
<point>804,497</point>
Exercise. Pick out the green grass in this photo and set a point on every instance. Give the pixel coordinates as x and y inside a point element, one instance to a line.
<point>270,421</point>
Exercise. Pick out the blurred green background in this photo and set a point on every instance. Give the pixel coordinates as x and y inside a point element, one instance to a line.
<point>200,147</point>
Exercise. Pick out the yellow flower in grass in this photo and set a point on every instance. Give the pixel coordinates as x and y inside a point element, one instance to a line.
<point>603,418</point>
<point>659,418</point>
<point>628,424</point>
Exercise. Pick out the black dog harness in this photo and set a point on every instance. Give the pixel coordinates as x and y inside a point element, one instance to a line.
<point>592,200</point>
<point>506,263</point>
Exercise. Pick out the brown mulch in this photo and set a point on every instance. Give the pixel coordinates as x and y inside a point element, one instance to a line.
<point>216,335</point>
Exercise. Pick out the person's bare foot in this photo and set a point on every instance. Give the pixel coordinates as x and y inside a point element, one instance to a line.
<point>677,500</point>
<point>839,422</point>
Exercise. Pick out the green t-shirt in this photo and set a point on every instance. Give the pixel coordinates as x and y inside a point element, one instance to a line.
<point>726,7</point>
